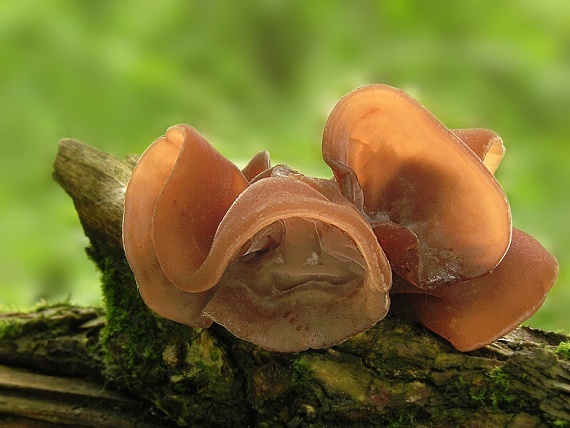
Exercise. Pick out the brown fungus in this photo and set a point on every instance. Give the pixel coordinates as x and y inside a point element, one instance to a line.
<point>257,165</point>
<point>286,262</point>
<point>291,262</point>
<point>313,275</point>
<point>486,144</point>
<point>438,212</point>
<point>473,313</point>
<point>144,187</point>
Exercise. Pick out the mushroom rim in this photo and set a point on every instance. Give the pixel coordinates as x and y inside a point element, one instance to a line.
<point>341,218</point>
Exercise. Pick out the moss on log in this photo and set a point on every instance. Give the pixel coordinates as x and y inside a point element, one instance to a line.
<point>394,374</point>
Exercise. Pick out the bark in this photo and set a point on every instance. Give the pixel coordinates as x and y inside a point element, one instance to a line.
<point>395,374</point>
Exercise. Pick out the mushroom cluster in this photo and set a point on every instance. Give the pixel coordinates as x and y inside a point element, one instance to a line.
<point>413,220</point>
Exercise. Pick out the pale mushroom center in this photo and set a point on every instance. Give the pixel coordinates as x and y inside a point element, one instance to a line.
<point>298,252</point>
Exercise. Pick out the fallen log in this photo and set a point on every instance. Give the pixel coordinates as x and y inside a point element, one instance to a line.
<point>394,374</point>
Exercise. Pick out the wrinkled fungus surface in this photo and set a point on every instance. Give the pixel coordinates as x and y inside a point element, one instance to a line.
<point>413,214</point>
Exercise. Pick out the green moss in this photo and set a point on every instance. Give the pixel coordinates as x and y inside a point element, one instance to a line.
<point>129,338</point>
<point>501,393</point>
<point>58,316</point>
<point>499,377</point>
<point>408,420</point>
<point>183,371</point>
<point>563,350</point>
<point>11,328</point>
<point>494,390</point>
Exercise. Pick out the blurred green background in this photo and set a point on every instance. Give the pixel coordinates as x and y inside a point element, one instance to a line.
<point>264,75</point>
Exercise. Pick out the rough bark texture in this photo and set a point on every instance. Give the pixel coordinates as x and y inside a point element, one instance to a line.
<point>395,374</point>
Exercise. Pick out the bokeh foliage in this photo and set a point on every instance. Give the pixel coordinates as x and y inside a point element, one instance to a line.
<point>264,75</point>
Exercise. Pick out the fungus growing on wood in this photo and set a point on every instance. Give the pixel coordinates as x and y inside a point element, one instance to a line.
<point>473,313</point>
<point>437,211</point>
<point>147,181</point>
<point>486,144</point>
<point>286,262</point>
<point>289,262</point>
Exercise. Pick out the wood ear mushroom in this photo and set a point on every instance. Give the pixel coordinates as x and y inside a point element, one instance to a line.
<point>285,262</point>
<point>290,262</point>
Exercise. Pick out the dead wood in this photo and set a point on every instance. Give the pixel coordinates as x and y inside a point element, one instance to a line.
<point>395,374</point>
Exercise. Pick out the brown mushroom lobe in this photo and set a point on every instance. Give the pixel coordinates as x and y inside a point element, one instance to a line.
<point>290,262</point>
<point>486,144</point>
<point>258,164</point>
<point>304,285</point>
<point>472,314</point>
<point>146,183</point>
<point>416,174</point>
<point>200,189</point>
<point>312,274</point>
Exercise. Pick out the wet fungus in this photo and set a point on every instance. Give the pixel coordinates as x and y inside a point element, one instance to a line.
<point>473,313</point>
<point>288,262</point>
<point>284,261</point>
<point>422,187</point>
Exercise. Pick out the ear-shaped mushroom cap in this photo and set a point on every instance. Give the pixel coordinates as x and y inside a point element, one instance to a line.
<point>147,181</point>
<point>286,262</point>
<point>258,164</point>
<point>452,217</point>
<point>313,275</point>
<point>486,144</point>
<point>202,186</point>
<point>474,313</point>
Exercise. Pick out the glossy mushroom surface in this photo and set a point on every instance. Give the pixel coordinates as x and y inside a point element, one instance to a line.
<point>452,218</point>
<point>472,314</point>
<point>145,185</point>
<point>313,274</point>
<point>486,144</point>
<point>290,262</point>
<point>286,262</point>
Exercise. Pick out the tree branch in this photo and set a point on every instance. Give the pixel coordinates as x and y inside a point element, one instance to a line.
<point>396,373</point>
